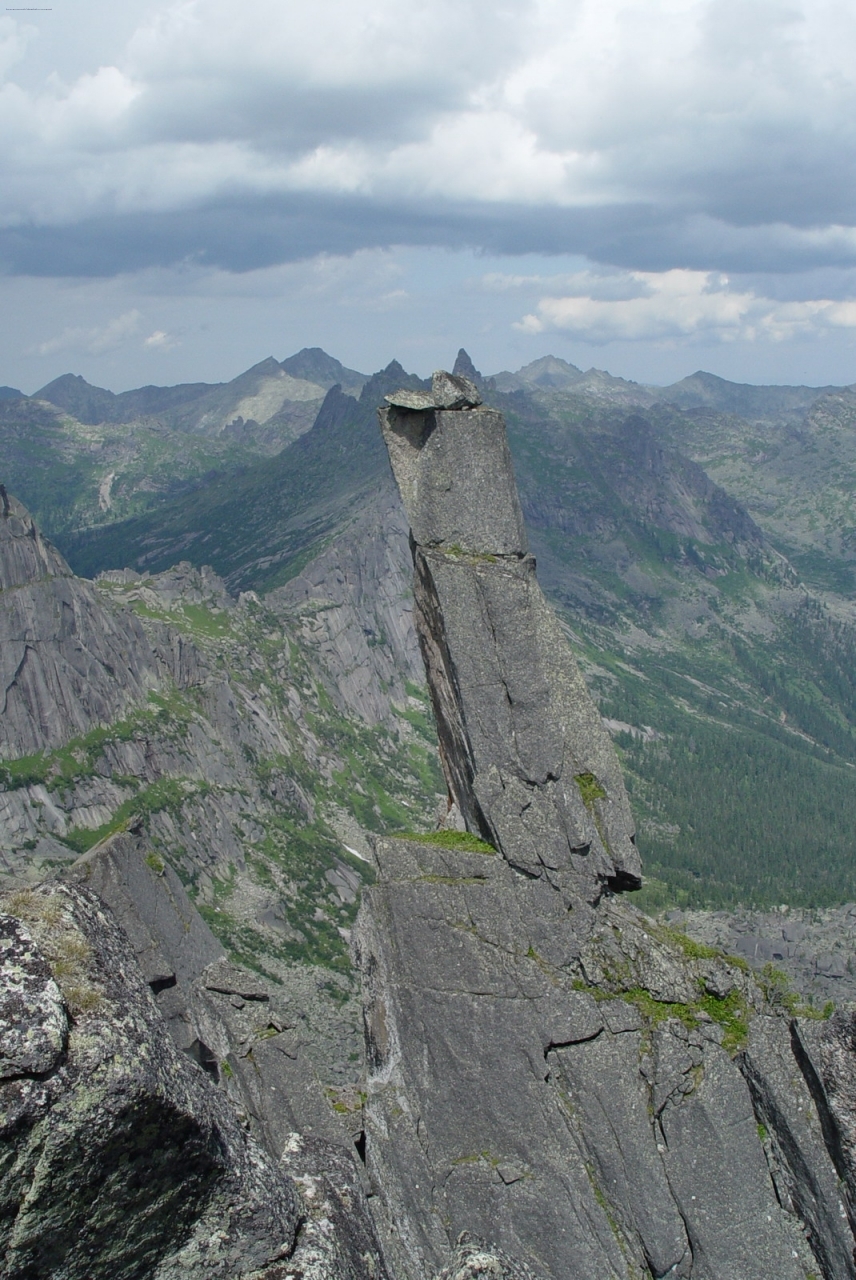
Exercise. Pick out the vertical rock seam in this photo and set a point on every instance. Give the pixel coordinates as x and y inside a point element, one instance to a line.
<point>525,755</point>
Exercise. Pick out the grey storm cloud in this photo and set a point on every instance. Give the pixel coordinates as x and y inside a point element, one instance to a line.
<point>244,234</point>
<point>671,172</point>
<point>693,133</point>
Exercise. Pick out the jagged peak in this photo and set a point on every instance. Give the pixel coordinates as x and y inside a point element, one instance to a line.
<point>314,365</point>
<point>25,556</point>
<point>464,367</point>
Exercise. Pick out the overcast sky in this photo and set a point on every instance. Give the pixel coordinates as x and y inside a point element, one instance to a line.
<point>647,186</point>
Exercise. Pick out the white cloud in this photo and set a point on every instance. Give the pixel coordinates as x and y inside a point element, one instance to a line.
<point>159,341</point>
<point>702,104</point>
<point>679,305</point>
<point>95,341</point>
<point>14,38</point>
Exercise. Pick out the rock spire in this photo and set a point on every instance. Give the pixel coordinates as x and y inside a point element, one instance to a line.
<point>526,757</point>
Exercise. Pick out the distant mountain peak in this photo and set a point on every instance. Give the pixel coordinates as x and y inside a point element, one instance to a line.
<point>67,382</point>
<point>268,365</point>
<point>703,390</point>
<point>80,398</point>
<point>550,371</point>
<point>464,367</point>
<point>313,364</point>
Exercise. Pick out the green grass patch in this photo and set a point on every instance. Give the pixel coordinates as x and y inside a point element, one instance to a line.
<point>688,946</point>
<point>166,713</point>
<point>730,1012</point>
<point>779,993</point>
<point>462,840</point>
<point>590,789</point>
<point>167,793</point>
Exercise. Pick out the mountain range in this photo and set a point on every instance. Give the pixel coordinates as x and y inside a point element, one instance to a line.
<point>698,541</point>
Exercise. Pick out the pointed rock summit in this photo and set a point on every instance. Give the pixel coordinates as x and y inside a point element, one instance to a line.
<point>25,556</point>
<point>526,757</point>
<point>464,367</point>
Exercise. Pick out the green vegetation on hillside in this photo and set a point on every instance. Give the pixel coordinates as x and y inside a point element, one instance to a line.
<point>686,618</point>
<point>736,802</point>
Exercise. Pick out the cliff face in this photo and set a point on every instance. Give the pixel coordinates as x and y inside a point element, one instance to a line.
<point>64,665</point>
<point>551,1087</point>
<point>586,1091</point>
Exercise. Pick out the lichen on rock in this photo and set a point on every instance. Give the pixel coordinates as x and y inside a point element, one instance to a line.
<point>119,1160</point>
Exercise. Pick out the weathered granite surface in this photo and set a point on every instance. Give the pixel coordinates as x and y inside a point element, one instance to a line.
<point>241,1028</point>
<point>338,1239</point>
<point>64,662</point>
<point>546,1068</point>
<point>118,1159</point>
<point>814,948</point>
<point>527,760</point>
<point>587,1090</point>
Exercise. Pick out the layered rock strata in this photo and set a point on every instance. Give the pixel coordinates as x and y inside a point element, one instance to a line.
<point>527,760</point>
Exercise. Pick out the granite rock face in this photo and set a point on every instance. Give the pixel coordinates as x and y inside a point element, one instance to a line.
<point>353,605</point>
<point>527,760</point>
<point>586,1091</point>
<point>548,1070</point>
<point>338,1240</point>
<point>33,1021</point>
<point>64,662</point>
<point>159,1119</point>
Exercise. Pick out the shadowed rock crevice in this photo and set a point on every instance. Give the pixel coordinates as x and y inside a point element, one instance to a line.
<point>120,1161</point>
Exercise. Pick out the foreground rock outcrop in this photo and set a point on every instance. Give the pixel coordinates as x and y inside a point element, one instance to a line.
<point>586,1090</point>
<point>119,1159</point>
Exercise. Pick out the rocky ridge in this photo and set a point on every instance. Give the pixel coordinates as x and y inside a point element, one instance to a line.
<point>247,745</point>
<point>545,1069</point>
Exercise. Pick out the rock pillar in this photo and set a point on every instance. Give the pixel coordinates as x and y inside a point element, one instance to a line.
<point>526,757</point>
